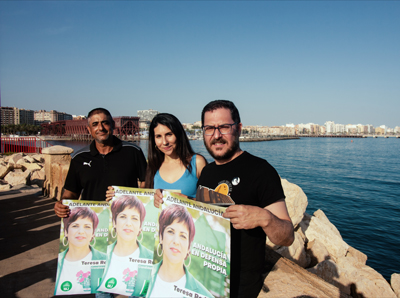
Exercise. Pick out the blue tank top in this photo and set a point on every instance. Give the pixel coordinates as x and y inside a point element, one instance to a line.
<point>187,183</point>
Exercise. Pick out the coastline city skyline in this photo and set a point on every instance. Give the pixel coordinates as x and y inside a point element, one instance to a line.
<point>19,116</point>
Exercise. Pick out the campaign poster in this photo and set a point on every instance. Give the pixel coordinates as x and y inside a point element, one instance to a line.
<point>82,249</point>
<point>192,250</point>
<point>132,226</point>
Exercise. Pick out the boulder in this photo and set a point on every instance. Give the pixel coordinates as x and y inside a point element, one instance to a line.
<point>31,166</point>
<point>322,229</point>
<point>38,157</point>
<point>296,252</point>
<point>357,281</point>
<point>356,257</point>
<point>5,169</point>
<point>296,201</point>
<point>317,252</point>
<point>13,159</point>
<point>395,283</point>
<point>4,185</point>
<point>287,279</point>
<point>15,178</point>
<point>38,178</point>
<point>29,159</point>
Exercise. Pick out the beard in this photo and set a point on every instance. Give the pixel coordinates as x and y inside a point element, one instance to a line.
<point>230,152</point>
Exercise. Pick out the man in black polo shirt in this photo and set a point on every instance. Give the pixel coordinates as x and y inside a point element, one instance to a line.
<point>106,161</point>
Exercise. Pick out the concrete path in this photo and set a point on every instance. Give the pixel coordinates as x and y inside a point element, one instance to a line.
<point>29,239</point>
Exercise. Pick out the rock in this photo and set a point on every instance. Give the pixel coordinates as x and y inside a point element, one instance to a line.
<point>321,215</point>
<point>31,166</point>
<point>317,252</point>
<point>286,279</point>
<point>360,281</point>
<point>15,178</point>
<point>321,229</point>
<point>15,158</point>
<point>4,170</point>
<point>296,252</point>
<point>356,257</point>
<point>395,283</point>
<point>38,157</point>
<point>29,159</point>
<point>296,201</point>
<point>4,185</point>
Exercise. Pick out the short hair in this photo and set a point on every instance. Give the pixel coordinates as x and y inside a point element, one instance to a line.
<point>176,212</point>
<point>99,111</point>
<point>221,104</point>
<point>127,201</point>
<point>76,213</point>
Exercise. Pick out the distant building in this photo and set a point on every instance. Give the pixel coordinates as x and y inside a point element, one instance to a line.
<point>44,116</point>
<point>12,115</point>
<point>7,115</point>
<point>147,115</point>
<point>330,127</point>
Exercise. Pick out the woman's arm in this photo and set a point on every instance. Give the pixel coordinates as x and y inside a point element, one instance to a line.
<point>200,164</point>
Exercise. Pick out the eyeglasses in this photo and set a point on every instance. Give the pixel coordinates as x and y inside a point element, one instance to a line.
<point>223,129</point>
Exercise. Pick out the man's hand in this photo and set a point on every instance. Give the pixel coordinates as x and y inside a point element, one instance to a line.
<point>273,219</point>
<point>247,217</point>
<point>110,193</point>
<point>158,198</point>
<point>61,210</point>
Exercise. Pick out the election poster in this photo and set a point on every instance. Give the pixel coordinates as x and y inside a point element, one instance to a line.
<point>82,249</point>
<point>132,226</point>
<point>191,250</point>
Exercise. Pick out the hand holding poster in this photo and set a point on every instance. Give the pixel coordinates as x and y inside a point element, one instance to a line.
<point>192,251</point>
<point>130,242</point>
<point>83,242</point>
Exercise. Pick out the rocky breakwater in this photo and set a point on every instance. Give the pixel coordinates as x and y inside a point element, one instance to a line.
<point>21,170</point>
<point>321,263</point>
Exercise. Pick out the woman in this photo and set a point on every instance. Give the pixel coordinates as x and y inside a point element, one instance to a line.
<point>172,163</point>
<point>122,274</point>
<point>73,276</point>
<point>176,233</point>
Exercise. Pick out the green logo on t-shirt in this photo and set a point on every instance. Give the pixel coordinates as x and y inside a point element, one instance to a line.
<point>111,283</point>
<point>66,286</point>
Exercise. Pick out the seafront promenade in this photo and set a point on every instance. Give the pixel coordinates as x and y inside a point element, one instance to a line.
<point>29,244</point>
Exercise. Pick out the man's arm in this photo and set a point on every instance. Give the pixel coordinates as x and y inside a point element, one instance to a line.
<point>273,219</point>
<point>62,210</point>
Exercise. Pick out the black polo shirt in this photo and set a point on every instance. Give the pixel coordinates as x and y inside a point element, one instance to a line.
<point>90,173</point>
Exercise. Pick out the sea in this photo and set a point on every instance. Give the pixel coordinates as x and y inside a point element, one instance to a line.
<point>355,182</point>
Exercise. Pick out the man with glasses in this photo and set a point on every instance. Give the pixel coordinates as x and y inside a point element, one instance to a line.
<point>255,186</point>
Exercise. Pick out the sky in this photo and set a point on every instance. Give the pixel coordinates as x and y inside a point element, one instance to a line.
<point>279,61</point>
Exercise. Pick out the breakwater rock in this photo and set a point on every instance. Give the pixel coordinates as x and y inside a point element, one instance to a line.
<point>319,255</point>
<point>21,170</point>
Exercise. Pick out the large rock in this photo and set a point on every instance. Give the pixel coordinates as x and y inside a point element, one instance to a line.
<point>38,178</point>
<point>317,252</point>
<point>29,159</point>
<point>296,201</point>
<point>15,178</point>
<point>286,279</point>
<point>31,166</point>
<point>5,169</point>
<point>358,281</point>
<point>395,283</point>
<point>4,185</point>
<point>13,159</point>
<point>38,157</point>
<point>356,257</point>
<point>322,229</point>
<point>296,252</point>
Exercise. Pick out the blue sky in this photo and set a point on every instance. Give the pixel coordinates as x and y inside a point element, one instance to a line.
<point>279,61</point>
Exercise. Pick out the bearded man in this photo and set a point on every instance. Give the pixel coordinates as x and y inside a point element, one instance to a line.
<point>255,186</point>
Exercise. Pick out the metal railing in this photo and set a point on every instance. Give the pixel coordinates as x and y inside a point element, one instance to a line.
<point>23,144</point>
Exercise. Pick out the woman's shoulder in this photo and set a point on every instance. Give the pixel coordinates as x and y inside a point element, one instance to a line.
<point>98,255</point>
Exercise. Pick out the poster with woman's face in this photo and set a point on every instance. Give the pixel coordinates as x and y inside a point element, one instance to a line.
<point>131,226</point>
<point>82,249</point>
<point>192,250</point>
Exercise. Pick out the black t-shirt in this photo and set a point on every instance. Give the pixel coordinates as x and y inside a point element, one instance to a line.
<point>91,173</point>
<point>249,180</point>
